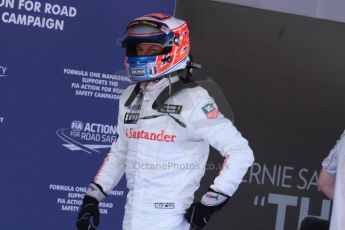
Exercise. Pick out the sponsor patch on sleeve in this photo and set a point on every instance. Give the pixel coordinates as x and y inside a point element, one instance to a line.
<point>210,110</point>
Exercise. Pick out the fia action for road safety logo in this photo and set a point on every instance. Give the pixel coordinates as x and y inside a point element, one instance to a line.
<point>210,110</point>
<point>88,137</point>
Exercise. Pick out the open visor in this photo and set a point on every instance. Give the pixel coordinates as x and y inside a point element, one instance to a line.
<point>143,31</point>
<point>130,44</point>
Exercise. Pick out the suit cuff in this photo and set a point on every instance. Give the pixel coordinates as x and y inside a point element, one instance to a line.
<point>95,190</point>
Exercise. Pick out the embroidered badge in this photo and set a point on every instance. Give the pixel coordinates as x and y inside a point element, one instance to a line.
<point>210,110</point>
<point>131,118</point>
<point>172,109</point>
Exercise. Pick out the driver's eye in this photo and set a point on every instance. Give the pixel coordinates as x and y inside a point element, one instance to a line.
<point>147,50</point>
<point>154,50</point>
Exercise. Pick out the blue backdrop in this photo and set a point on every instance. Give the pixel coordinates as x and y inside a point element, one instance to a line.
<point>61,73</point>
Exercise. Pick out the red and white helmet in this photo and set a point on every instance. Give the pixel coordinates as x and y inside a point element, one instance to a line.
<point>161,29</point>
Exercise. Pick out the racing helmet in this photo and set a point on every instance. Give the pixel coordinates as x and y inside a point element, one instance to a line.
<point>170,33</point>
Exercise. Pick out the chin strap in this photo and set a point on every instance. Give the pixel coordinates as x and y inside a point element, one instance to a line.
<point>189,69</point>
<point>133,95</point>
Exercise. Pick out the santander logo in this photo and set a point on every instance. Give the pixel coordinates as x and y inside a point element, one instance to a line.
<point>153,136</point>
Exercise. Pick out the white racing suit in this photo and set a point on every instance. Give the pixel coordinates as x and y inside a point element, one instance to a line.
<point>334,164</point>
<point>164,151</point>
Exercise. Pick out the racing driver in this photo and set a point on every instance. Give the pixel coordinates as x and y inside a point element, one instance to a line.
<point>166,123</point>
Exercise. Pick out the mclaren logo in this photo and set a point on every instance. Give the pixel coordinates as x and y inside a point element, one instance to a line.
<point>88,137</point>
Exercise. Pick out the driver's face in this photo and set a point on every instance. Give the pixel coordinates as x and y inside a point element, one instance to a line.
<point>148,49</point>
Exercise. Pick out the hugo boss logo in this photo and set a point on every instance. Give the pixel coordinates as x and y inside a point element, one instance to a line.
<point>138,72</point>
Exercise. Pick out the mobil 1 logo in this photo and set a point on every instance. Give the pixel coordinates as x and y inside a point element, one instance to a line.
<point>131,118</point>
